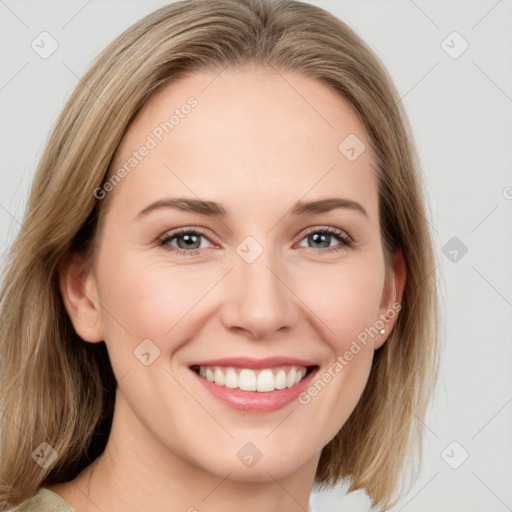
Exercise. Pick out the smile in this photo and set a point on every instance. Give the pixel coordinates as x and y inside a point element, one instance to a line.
<point>263,380</point>
<point>252,385</point>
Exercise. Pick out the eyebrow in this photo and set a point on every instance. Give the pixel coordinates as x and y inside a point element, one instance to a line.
<point>213,209</point>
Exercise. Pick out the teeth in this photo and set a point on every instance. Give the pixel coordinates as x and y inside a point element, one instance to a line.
<point>231,380</point>
<point>263,381</point>
<point>290,379</point>
<point>280,381</point>
<point>247,380</point>
<point>219,377</point>
<point>266,381</point>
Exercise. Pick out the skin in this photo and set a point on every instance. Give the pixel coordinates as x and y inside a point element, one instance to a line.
<point>256,145</point>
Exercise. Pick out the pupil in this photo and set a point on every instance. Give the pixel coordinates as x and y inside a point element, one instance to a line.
<point>187,238</point>
<point>323,239</point>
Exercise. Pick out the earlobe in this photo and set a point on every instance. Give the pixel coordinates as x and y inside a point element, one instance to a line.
<point>79,294</point>
<point>391,298</point>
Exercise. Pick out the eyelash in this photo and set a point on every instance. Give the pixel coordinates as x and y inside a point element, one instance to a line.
<point>340,235</point>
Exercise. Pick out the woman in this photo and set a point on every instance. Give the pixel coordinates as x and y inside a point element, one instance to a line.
<point>222,292</point>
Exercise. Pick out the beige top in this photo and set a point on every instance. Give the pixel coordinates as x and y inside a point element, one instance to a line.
<point>43,501</point>
<point>47,501</point>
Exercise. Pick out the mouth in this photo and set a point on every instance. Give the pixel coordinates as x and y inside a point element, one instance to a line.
<point>252,385</point>
<point>263,380</point>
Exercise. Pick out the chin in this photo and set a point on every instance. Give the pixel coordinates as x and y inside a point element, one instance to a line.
<point>252,464</point>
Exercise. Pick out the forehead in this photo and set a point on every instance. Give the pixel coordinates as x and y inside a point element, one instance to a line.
<point>249,132</point>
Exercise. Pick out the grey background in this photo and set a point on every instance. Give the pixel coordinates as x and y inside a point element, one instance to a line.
<point>461,113</point>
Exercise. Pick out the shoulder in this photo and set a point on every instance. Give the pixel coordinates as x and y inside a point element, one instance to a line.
<point>43,501</point>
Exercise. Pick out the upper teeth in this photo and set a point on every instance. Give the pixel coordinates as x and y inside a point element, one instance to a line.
<point>263,380</point>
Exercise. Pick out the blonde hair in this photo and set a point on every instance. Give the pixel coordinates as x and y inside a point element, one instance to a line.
<point>58,389</point>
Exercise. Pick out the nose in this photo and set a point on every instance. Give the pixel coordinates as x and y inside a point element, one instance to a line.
<point>258,298</point>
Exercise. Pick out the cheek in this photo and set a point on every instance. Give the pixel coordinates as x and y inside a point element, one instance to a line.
<point>143,302</point>
<point>346,301</point>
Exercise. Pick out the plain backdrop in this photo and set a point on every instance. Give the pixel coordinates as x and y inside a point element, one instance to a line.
<point>452,64</point>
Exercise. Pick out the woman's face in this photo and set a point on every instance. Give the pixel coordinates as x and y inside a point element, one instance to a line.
<point>278,271</point>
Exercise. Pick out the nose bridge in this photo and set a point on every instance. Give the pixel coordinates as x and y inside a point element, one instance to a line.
<point>258,298</point>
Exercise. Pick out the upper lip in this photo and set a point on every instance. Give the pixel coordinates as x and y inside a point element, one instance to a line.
<point>248,362</point>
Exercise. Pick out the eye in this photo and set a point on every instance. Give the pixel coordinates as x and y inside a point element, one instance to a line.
<point>324,236</point>
<point>188,241</point>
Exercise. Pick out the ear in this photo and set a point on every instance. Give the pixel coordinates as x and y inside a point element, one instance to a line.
<point>391,298</point>
<point>79,294</point>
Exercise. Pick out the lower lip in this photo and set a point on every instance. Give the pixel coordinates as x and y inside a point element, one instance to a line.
<point>254,401</point>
